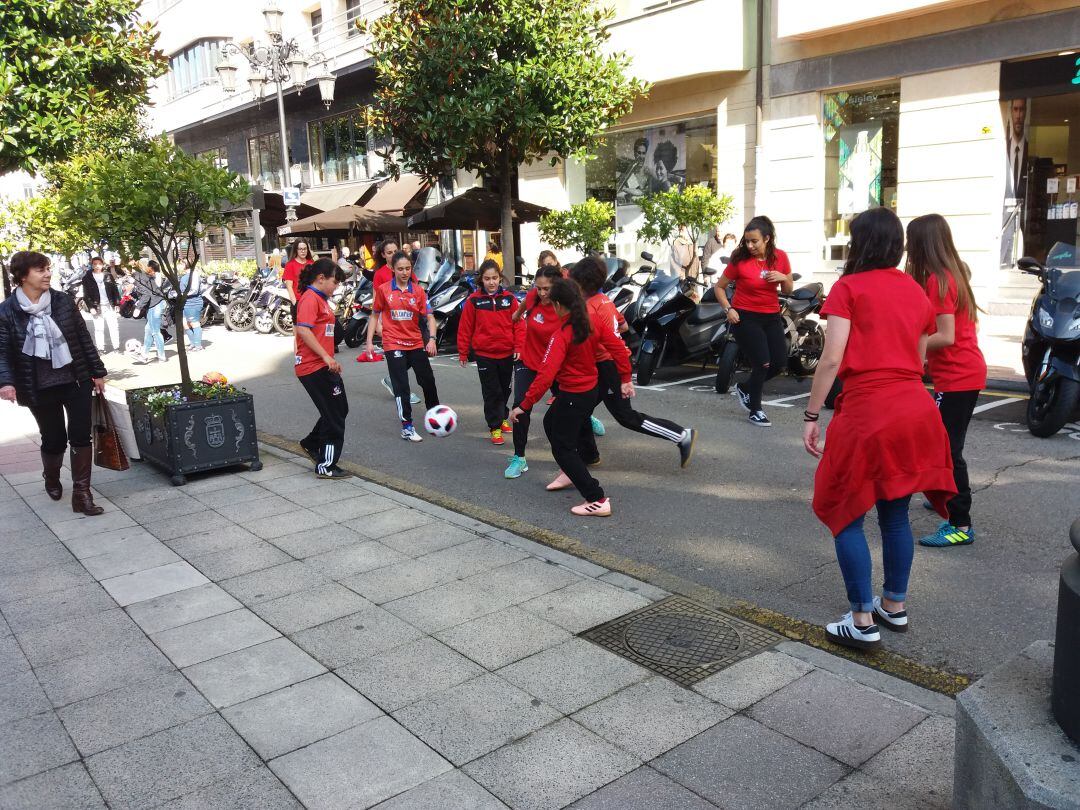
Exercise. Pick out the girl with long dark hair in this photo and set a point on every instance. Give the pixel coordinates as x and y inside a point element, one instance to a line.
<point>299,258</point>
<point>957,367</point>
<point>757,267</point>
<point>885,440</point>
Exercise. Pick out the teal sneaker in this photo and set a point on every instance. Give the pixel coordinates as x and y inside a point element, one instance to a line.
<point>948,535</point>
<point>516,467</point>
<point>598,428</point>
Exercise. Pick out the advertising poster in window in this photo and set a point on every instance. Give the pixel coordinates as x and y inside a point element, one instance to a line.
<point>1017,118</point>
<point>648,162</point>
<point>860,167</point>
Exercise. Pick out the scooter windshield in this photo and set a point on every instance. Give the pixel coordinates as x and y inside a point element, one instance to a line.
<point>1063,255</point>
<point>427,262</point>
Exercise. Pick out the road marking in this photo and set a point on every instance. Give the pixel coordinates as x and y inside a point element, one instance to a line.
<point>996,404</point>
<point>665,386</point>
<point>780,402</point>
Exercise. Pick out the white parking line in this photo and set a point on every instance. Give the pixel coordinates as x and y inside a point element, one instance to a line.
<point>665,386</point>
<point>780,402</point>
<point>996,404</point>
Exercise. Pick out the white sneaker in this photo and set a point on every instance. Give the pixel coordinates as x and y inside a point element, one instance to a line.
<point>759,418</point>
<point>409,434</point>
<point>896,622</point>
<point>742,396</point>
<point>846,634</point>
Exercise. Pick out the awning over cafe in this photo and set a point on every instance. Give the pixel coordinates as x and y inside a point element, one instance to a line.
<point>397,196</point>
<point>327,198</point>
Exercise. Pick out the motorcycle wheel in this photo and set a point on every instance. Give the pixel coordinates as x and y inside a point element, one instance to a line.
<point>808,352</point>
<point>263,321</point>
<point>354,331</point>
<point>725,367</point>
<point>239,316</point>
<point>1051,405</point>
<point>282,321</point>
<point>646,365</point>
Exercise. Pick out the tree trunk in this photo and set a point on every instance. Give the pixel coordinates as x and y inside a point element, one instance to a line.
<point>181,348</point>
<point>509,249</point>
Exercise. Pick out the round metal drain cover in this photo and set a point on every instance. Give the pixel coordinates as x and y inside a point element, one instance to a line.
<point>679,640</point>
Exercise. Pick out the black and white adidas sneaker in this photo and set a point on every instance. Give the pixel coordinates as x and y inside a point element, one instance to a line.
<point>897,622</point>
<point>847,634</point>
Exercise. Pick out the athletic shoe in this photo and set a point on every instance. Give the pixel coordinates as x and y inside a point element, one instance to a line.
<point>312,452</point>
<point>414,399</point>
<point>507,427</point>
<point>142,361</point>
<point>516,466</point>
<point>335,473</point>
<point>597,426</point>
<point>759,418</point>
<point>948,535</point>
<point>847,634</point>
<point>409,434</point>
<point>600,508</point>
<point>929,507</point>
<point>686,446</point>
<point>561,481</point>
<point>496,436</point>
<point>742,396</point>
<point>897,622</point>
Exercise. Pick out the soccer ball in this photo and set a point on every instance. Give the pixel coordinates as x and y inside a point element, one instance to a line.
<point>132,348</point>
<point>440,421</point>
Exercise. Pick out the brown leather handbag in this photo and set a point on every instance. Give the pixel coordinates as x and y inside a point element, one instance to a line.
<point>108,449</point>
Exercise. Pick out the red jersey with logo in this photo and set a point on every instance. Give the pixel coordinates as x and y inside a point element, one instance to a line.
<point>314,312</point>
<point>605,319</point>
<point>487,326</point>
<point>291,272</point>
<point>960,367</point>
<point>532,341</point>
<point>401,311</point>
<point>752,292</point>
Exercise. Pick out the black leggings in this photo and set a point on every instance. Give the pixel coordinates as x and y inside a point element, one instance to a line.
<point>619,407</point>
<point>956,408</point>
<point>523,378</point>
<point>496,375</point>
<point>760,337</point>
<point>563,424</point>
<point>327,438</point>
<point>52,403</point>
<point>398,363</point>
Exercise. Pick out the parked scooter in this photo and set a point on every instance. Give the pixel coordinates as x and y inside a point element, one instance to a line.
<point>273,310</point>
<point>240,311</point>
<point>217,293</point>
<point>1051,347</point>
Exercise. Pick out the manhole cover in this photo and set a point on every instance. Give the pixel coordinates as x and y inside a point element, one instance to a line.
<point>681,640</point>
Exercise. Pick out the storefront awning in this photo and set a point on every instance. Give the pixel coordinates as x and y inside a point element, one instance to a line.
<point>331,197</point>
<point>395,195</point>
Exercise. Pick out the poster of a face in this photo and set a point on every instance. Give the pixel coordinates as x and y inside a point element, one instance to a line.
<point>1016,114</point>
<point>648,162</point>
<point>860,167</point>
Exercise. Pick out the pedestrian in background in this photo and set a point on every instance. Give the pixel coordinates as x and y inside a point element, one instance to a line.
<point>150,300</point>
<point>885,441</point>
<point>192,282</point>
<point>299,258</point>
<point>102,297</point>
<point>685,262</point>
<point>957,366</point>
<point>713,244</point>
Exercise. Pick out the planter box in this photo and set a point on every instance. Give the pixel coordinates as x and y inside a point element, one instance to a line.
<point>196,436</point>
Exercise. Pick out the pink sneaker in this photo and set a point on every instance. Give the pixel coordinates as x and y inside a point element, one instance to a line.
<point>561,482</point>
<point>600,508</point>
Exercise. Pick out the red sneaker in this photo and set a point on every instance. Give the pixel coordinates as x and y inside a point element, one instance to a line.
<point>496,436</point>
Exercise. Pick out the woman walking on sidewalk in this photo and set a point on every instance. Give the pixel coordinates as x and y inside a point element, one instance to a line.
<point>957,367</point>
<point>102,297</point>
<point>49,364</point>
<point>150,300</point>
<point>885,440</point>
<point>191,283</point>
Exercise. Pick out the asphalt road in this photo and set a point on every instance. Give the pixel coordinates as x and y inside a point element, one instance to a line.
<point>738,518</point>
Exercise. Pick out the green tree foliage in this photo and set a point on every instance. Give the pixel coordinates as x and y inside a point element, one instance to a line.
<point>697,207</point>
<point>155,195</point>
<point>68,69</point>
<point>487,85</point>
<point>584,226</point>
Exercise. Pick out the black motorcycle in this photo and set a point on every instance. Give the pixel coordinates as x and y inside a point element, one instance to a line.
<point>217,293</point>
<point>240,311</point>
<point>1051,347</point>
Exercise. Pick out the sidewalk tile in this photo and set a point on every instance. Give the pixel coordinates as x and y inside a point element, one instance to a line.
<point>26,537</point>
<point>525,579</point>
<point>643,789</point>
<point>64,787</point>
<point>584,604</point>
<point>78,636</point>
<point>299,715</point>
<point>546,552</point>
<point>650,592</point>
<point>478,716</point>
<point>428,538</point>
<point>502,638</point>
<point>351,638</point>
<point>359,767</point>
<point>922,759</point>
<point>21,696</point>
<point>91,545</point>
<point>269,528</point>
<point>217,480</point>
<point>246,492</point>
<point>243,511</point>
<point>743,764</point>
<point>392,521</point>
<point>128,557</point>
<point>182,607</point>
<point>14,587</point>
<point>84,525</point>
<point>168,764</point>
<point>257,789</point>
<point>551,768</point>
<point>32,745</point>
<point>213,637</point>
<point>173,507</point>
<point>837,716</point>
<point>271,583</point>
<point>299,611</point>
<point>153,582</point>
<point>172,528</point>
<point>479,554</point>
<point>98,672</point>
<point>201,542</point>
<point>573,675</point>
<point>28,558</point>
<point>20,523</point>
<point>651,717</point>
<point>745,683</point>
<point>242,559</point>
<point>405,674</point>
<point>133,711</point>
<point>309,543</point>
<point>446,605</point>
<point>12,660</point>
<point>248,673</point>
<point>149,496</point>
<point>299,479</point>
<point>863,790</point>
<point>356,503</point>
<point>345,562</point>
<point>451,791</point>
<point>52,608</point>
<point>398,580</point>
<point>321,495</point>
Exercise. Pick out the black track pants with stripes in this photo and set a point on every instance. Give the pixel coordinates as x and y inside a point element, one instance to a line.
<point>327,438</point>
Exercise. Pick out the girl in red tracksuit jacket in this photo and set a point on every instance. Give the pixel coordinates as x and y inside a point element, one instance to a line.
<point>570,360</point>
<point>488,330</point>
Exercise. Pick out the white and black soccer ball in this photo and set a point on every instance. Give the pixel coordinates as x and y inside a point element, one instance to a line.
<point>132,347</point>
<point>440,421</point>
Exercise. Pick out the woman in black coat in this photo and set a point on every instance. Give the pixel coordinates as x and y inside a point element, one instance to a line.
<point>102,297</point>
<point>49,364</point>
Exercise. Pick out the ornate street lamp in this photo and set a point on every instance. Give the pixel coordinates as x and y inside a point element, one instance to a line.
<point>326,86</point>
<point>272,17</point>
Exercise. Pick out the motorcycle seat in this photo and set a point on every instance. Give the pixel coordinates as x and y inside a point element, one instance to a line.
<point>797,306</point>
<point>808,292</point>
<point>705,313</point>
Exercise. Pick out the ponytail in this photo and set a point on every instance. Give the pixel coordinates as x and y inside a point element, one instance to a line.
<point>323,267</point>
<point>568,295</point>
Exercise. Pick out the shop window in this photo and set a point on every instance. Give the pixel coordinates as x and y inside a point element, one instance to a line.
<point>338,148</point>
<point>264,161</point>
<point>217,155</point>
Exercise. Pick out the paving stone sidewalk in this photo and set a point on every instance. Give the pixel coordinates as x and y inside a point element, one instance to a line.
<point>268,640</point>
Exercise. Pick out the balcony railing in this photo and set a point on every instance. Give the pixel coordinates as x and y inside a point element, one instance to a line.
<point>338,37</point>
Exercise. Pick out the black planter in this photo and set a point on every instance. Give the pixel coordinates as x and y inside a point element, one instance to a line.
<point>196,436</point>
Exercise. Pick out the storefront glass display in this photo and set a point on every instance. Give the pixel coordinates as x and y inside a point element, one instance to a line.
<point>338,148</point>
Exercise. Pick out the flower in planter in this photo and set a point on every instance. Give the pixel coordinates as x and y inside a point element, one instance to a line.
<point>215,378</point>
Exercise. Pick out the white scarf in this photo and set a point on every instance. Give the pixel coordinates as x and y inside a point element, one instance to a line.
<point>43,337</point>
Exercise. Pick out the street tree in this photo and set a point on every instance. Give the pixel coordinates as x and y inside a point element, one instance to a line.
<point>68,69</point>
<point>584,226</point>
<point>492,84</point>
<point>697,207</point>
<point>158,196</point>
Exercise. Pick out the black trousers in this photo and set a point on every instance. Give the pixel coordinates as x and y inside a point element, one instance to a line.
<point>327,438</point>
<point>496,375</point>
<point>398,363</point>
<point>760,337</point>
<point>523,378</point>
<point>72,399</point>
<point>956,408</point>
<point>563,424</point>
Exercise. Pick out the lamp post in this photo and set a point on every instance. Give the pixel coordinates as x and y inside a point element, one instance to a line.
<point>282,62</point>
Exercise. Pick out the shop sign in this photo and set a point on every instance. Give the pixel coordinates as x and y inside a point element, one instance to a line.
<point>1050,76</point>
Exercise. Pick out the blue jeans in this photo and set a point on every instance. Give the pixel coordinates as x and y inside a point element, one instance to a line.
<point>897,551</point>
<point>192,314</point>
<point>152,332</point>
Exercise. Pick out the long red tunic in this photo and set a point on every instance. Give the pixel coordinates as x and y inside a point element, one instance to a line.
<point>886,439</point>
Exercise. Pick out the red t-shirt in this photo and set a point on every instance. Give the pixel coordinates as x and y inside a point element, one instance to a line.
<point>960,367</point>
<point>572,365</point>
<point>314,312</point>
<point>385,274</point>
<point>531,342</point>
<point>605,322</point>
<point>752,292</point>
<point>291,272</point>
<point>889,312</point>
<point>402,310</point>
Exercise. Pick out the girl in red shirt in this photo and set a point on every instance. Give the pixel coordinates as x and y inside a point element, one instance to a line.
<point>957,367</point>
<point>299,258</point>
<point>757,267</point>
<point>487,329</point>
<point>885,440</point>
